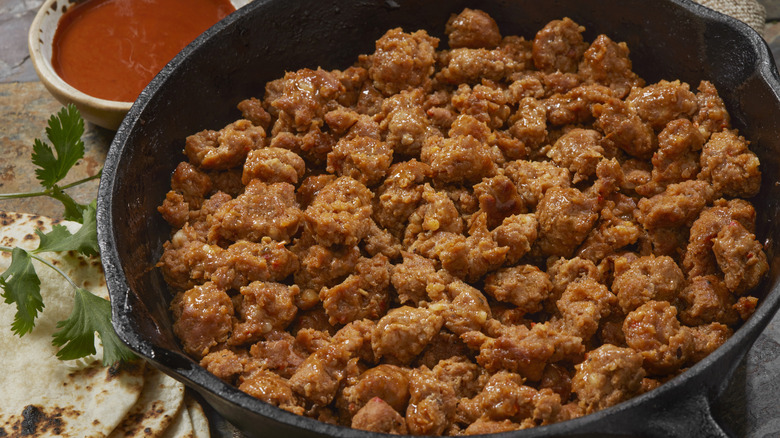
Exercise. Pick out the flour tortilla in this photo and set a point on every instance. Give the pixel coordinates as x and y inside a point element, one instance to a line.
<point>181,426</point>
<point>200,423</point>
<point>43,396</point>
<point>161,399</point>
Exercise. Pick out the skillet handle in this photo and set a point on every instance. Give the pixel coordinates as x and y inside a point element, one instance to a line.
<point>687,416</point>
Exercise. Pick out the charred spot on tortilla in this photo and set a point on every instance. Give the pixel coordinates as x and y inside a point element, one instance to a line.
<point>119,368</point>
<point>34,420</point>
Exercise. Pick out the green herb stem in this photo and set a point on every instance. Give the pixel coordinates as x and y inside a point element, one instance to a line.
<point>51,191</point>
<point>45,262</point>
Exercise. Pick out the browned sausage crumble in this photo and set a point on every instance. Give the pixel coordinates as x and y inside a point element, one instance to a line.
<point>496,236</point>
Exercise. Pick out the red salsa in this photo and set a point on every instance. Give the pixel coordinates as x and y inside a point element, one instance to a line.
<point>111,49</point>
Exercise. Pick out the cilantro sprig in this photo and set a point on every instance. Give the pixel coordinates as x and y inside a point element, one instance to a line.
<point>20,283</point>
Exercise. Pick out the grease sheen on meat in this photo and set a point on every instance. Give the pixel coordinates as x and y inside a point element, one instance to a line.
<point>468,235</point>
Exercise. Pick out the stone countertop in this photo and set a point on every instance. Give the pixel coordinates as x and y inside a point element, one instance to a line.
<point>748,409</point>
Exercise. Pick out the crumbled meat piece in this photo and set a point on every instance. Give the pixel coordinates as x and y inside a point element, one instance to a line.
<point>579,105</point>
<point>279,352</point>
<point>730,166</point>
<point>624,128</point>
<point>607,63</point>
<point>432,403</point>
<point>646,278</point>
<point>534,178</point>
<point>245,261</point>
<point>466,310</point>
<point>203,318</point>
<point>225,364</point>
<point>450,249</point>
<point>660,103</point>
<point>402,60</point>
<point>381,241</point>
<point>340,213</point>
<point>310,186</point>
<point>313,145</point>
<point>707,300</point>
<point>400,194</point>
<point>174,209</point>
<point>558,379</point>
<point>699,256</point>
<point>270,388</point>
<point>466,65</point>
<point>363,294</point>
<point>582,306</point>
<point>444,346</point>
<point>404,332</point>
<point>472,28</point>
<point>322,266</point>
<point>525,286</point>
<point>412,277</point>
<point>378,416</point>
<point>563,272</point>
<point>191,183</point>
<point>517,232</point>
<point>484,254</point>
<point>463,158</point>
<point>740,256</point>
<point>712,115</point>
<point>745,306</point>
<point>615,229</point>
<point>389,383</point>
<point>559,46</point>
<point>220,150</point>
<point>680,204</point>
<point>565,216</point>
<point>272,165</point>
<point>319,376</point>
<point>529,125</point>
<point>707,338</point>
<point>525,351</point>
<point>406,122</point>
<point>252,110</point>
<point>483,426</point>
<point>363,158</point>
<point>578,150</point>
<point>486,102</point>
<point>264,307</point>
<point>262,210</point>
<point>607,376</point>
<point>354,79</point>
<point>498,198</point>
<point>306,95</point>
<point>462,374</point>
<point>436,213</point>
<point>677,158</point>
<point>655,332</point>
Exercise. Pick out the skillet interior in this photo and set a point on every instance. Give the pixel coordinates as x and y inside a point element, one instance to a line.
<point>199,89</point>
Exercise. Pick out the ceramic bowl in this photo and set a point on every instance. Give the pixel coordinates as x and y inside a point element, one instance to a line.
<point>102,112</point>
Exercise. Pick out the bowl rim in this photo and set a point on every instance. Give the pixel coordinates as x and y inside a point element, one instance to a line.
<point>188,370</point>
<point>46,71</point>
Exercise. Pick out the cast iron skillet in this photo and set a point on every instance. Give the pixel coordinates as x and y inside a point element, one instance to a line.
<point>199,89</point>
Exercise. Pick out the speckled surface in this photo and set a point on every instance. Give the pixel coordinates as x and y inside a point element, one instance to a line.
<point>748,409</point>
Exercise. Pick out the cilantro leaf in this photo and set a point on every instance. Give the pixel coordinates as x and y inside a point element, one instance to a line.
<point>64,132</point>
<point>73,210</point>
<point>84,240</point>
<point>77,333</point>
<point>21,286</point>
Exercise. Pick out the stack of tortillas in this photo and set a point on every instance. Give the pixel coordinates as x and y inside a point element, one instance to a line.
<point>43,396</point>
